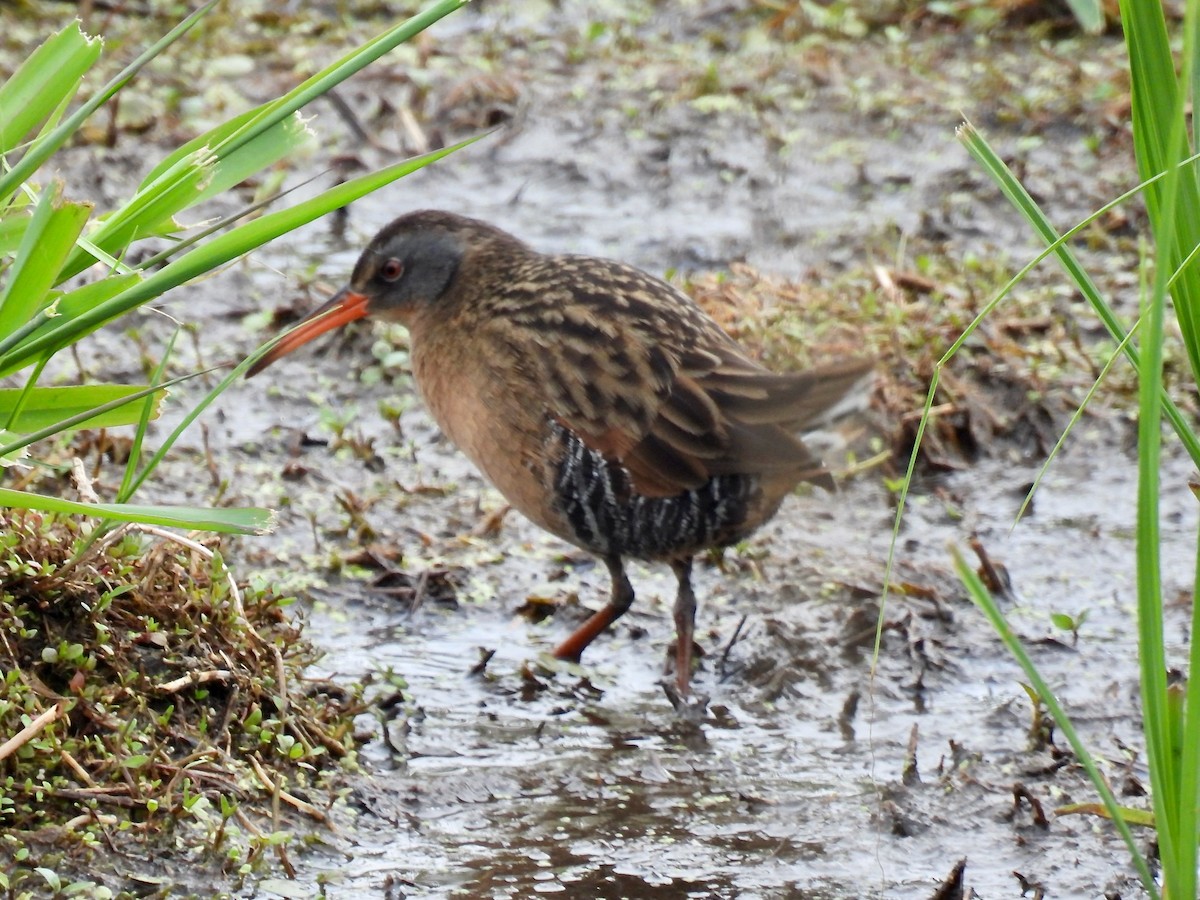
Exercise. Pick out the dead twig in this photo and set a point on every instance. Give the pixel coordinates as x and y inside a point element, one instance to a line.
<point>290,799</point>
<point>737,633</point>
<point>192,678</point>
<point>30,731</point>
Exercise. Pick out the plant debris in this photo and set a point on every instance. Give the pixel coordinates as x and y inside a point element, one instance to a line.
<point>143,689</point>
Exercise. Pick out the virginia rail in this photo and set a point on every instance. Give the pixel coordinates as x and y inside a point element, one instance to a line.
<point>602,402</point>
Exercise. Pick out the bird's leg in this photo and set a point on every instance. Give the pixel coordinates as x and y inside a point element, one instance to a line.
<point>685,623</point>
<point>622,598</point>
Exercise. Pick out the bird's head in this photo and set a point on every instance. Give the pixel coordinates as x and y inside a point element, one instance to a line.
<point>407,268</point>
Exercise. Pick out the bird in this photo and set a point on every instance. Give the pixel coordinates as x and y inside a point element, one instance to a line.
<point>601,401</point>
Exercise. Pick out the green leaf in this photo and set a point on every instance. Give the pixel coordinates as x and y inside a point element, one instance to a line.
<point>51,877</point>
<point>1020,198</point>
<point>250,520</point>
<point>60,425</point>
<point>48,239</point>
<point>46,406</point>
<point>13,223</point>
<point>149,411</point>
<point>335,73</point>
<point>176,190</point>
<point>285,137</point>
<point>987,604</point>
<point>49,77</point>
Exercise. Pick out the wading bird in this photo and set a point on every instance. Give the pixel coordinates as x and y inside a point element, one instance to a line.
<point>602,402</point>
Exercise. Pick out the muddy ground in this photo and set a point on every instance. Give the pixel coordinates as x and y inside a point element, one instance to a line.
<point>688,138</point>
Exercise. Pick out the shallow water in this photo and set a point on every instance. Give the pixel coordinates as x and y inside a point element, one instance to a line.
<point>594,787</point>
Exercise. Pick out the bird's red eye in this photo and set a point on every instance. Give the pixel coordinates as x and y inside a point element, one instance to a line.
<point>391,270</point>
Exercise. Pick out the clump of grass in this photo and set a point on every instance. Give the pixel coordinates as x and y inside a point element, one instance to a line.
<point>141,691</point>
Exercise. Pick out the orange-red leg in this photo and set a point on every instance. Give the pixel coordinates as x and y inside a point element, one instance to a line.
<point>685,624</point>
<point>622,598</point>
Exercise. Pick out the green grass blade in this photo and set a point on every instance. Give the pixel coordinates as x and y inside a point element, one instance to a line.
<point>196,236</point>
<point>186,178</point>
<point>291,136</point>
<point>148,412</point>
<point>58,333</point>
<point>1165,184</point>
<point>49,239</point>
<point>1189,720</point>
<point>284,137</point>
<point>50,76</point>
<point>68,306</point>
<point>1189,759</point>
<point>78,420</point>
<point>24,395</point>
<point>45,407</point>
<point>1160,142</point>
<point>192,178</point>
<point>1164,773</point>
<point>334,74</point>
<point>144,211</point>
<point>983,153</point>
<point>46,145</point>
<point>1076,415</point>
<point>13,224</point>
<point>249,520</point>
<point>194,413</point>
<point>987,604</point>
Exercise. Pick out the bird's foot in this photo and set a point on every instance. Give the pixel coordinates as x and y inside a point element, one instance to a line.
<point>689,706</point>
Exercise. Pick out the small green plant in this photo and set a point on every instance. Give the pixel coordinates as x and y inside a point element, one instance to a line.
<point>1067,622</point>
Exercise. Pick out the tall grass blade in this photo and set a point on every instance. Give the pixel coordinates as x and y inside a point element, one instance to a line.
<point>991,609</point>
<point>44,407</point>
<point>983,153</point>
<point>249,520</point>
<point>67,305</point>
<point>50,76</point>
<point>46,145</point>
<point>48,240</point>
<point>148,412</point>
<point>184,178</point>
<point>58,333</point>
<point>1160,133</point>
<point>81,419</point>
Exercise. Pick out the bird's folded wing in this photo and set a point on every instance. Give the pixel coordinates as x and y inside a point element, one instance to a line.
<point>675,419</point>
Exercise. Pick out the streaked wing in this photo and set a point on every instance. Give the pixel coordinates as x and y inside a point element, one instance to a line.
<point>662,389</point>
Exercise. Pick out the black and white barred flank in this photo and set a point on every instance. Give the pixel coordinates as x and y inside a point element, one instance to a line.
<point>609,518</point>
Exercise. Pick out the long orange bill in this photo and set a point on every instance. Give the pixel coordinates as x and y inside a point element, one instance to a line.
<point>344,306</point>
